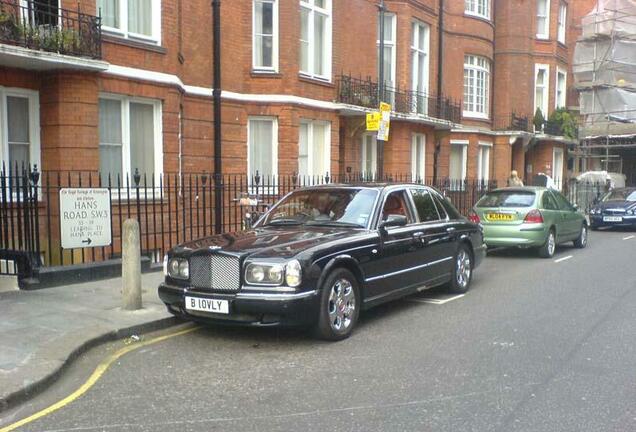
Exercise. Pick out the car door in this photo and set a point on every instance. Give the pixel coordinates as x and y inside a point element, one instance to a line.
<point>435,248</point>
<point>570,219</point>
<point>398,249</point>
<point>551,212</point>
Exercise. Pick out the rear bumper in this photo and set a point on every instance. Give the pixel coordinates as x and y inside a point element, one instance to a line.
<point>523,235</point>
<point>248,309</point>
<point>627,221</point>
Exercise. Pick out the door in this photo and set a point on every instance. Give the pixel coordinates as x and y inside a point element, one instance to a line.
<point>570,219</point>
<point>551,212</point>
<point>398,250</point>
<point>437,239</point>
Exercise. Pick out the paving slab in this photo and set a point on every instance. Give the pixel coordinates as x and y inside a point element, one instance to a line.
<point>42,331</point>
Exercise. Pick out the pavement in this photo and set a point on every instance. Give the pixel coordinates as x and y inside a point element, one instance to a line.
<point>536,345</point>
<point>42,331</point>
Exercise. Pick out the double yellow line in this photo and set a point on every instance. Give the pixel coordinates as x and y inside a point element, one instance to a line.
<point>95,376</point>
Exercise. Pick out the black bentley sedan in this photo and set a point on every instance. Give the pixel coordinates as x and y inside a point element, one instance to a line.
<point>321,255</point>
<point>616,209</point>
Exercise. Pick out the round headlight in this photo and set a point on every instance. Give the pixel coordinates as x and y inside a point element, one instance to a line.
<point>184,269</point>
<point>173,267</point>
<point>275,274</point>
<point>256,274</point>
<point>293,273</point>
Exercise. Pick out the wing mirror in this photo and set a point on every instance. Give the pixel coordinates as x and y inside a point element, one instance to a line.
<point>394,220</point>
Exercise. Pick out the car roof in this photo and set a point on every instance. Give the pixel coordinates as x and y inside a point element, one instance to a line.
<point>362,185</point>
<point>521,189</point>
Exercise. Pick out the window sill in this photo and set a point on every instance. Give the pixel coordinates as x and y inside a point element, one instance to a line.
<point>483,18</point>
<point>315,80</point>
<point>475,116</point>
<point>562,44</point>
<point>539,38</point>
<point>256,73</point>
<point>133,43</point>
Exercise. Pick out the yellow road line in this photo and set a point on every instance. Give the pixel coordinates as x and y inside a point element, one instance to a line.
<point>95,376</point>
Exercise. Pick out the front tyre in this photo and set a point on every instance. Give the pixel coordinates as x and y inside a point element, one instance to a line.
<point>549,247</point>
<point>581,241</point>
<point>462,270</point>
<point>339,306</point>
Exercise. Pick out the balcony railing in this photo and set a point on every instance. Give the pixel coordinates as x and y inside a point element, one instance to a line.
<point>513,122</point>
<point>364,93</point>
<point>41,25</point>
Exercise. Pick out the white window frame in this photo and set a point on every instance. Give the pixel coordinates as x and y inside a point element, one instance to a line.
<point>546,89</point>
<point>392,44</point>
<point>421,175</point>
<point>464,144</point>
<point>310,143</point>
<point>122,31</point>
<point>483,175</point>
<point>310,6</point>
<point>471,7</point>
<point>33,97</point>
<point>545,32</point>
<point>416,73</point>
<point>374,154</point>
<point>127,170</point>
<point>560,95</point>
<point>477,68</point>
<point>562,22</point>
<point>274,66</point>
<point>274,172</point>
<point>558,181</point>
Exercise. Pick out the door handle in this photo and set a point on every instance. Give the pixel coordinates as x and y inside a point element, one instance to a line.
<point>418,237</point>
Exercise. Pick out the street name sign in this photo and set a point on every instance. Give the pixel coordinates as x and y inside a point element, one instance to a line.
<point>85,217</point>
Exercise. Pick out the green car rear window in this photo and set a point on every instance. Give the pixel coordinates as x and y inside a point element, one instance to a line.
<point>507,199</point>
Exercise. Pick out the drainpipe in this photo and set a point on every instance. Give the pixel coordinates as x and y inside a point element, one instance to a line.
<point>440,71</point>
<point>380,156</point>
<point>216,96</point>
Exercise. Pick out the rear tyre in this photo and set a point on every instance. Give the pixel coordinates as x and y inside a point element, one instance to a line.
<point>581,241</point>
<point>462,271</point>
<point>549,247</point>
<point>339,306</point>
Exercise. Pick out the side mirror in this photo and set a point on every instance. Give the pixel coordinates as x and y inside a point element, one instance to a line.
<point>394,220</point>
<point>575,207</point>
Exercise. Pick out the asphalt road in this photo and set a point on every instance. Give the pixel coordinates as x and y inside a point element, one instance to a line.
<point>536,345</point>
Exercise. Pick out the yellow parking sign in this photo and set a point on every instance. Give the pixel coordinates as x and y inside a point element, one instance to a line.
<point>373,121</point>
<point>385,107</point>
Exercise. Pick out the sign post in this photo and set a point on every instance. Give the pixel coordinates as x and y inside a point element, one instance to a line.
<point>85,217</point>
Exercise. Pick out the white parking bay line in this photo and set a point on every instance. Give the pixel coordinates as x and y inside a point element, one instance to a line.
<point>563,259</point>
<point>629,237</point>
<point>439,301</point>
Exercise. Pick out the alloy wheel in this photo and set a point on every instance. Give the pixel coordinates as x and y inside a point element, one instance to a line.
<point>463,268</point>
<point>551,244</point>
<point>342,305</point>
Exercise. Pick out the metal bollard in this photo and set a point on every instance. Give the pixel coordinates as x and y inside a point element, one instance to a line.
<point>131,266</point>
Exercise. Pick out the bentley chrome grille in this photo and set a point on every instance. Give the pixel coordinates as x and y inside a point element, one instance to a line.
<point>216,272</point>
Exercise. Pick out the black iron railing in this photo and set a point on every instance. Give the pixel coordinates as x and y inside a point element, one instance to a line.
<point>43,26</point>
<point>513,122</point>
<point>364,93</point>
<point>171,208</point>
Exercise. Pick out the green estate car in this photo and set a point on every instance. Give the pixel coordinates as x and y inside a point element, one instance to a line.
<point>529,217</point>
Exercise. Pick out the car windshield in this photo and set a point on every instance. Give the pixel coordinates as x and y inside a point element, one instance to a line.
<point>507,199</point>
<point>337,207</point>
<point>621,195</point>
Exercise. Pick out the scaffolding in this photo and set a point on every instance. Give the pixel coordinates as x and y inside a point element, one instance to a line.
<point>604,70</point>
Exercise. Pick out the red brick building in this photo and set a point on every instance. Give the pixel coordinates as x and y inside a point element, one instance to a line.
<point>297,79</point>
